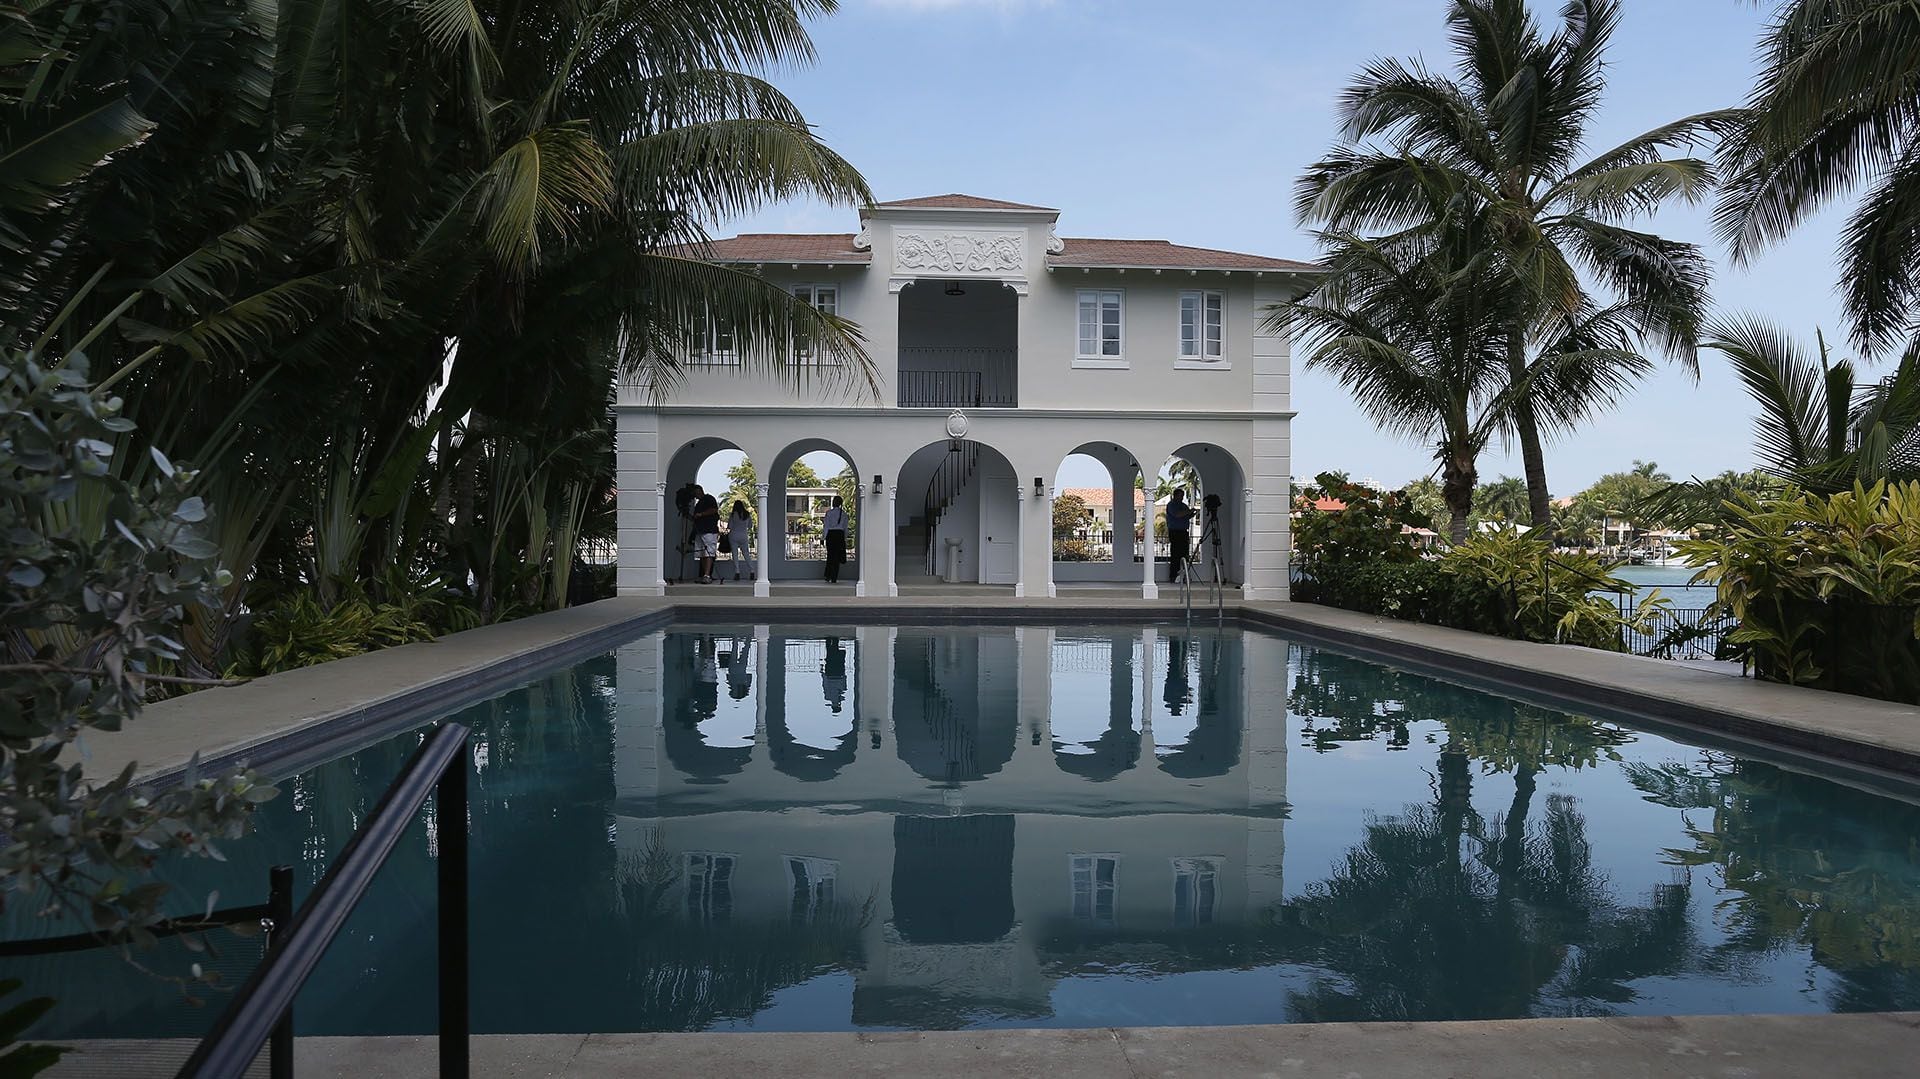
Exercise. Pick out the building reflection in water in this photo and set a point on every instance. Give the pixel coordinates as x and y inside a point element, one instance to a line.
<point>1016,813</point>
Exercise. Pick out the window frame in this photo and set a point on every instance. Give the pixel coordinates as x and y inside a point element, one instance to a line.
<point>1200,876</point>
<point>1200,358</point>
<point>1100,359</point>
<point>1094,889</point>
<point>709,876</point>
<point>811,357</point>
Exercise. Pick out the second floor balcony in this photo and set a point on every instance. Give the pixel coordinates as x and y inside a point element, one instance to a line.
<point>958,377</point>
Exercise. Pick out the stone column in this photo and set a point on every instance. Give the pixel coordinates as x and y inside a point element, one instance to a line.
<point>1020,505</point>
<point>660,533</point>
<point>890,567</point>
<point>1046,535</point>
<point>765,538</point>
<point>876,544</point>
<point>1148,588</point>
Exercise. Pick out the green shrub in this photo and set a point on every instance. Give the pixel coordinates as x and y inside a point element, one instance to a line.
<point>1499,582</point>
<point>300,632</point>
<point>1824,590</point>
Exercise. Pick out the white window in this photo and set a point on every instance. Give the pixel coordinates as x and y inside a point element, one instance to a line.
<point>1100,325</point>
<point>710,888</point>
<point>812,880</point>
<point>710,343</point>
<point>826,300</point>
<point>1200,323</point>
<point>1194,881</point>
<point>1096,887</point>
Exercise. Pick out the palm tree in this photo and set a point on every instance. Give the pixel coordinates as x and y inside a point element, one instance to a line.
<point>418,238</point>
<point>1505,499</point>
<point>1836,107</point>
<point>1507,132</point>
<point>1816,428</point>
<point>1408,326</point>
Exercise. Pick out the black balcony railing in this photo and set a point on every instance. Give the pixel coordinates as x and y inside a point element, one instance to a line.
<point>958,377</point>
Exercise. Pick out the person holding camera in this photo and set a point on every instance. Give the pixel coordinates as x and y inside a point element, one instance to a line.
<point>1179,531</point>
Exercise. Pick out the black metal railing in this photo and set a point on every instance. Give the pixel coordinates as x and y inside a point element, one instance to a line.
<point>958,377</point>
<point>275,917</point>
<point>1676,632</point>
<point>262,1009</point>
<point>949,478</point>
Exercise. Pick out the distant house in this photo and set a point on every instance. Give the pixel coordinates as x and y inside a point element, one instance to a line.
<point>1099,501</point>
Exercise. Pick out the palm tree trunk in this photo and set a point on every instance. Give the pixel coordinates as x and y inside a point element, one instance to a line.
<point>1457,480</point>
<point>1532,459</point>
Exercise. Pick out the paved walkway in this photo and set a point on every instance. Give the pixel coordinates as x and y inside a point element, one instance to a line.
<point>1724,1047</point>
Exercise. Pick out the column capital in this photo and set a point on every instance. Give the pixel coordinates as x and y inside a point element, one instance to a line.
<point>660,489</point>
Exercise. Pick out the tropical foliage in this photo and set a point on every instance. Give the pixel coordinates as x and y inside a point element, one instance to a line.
<point>1836,107</point>
<point>1504,137</point>
<point>1818,427</point>
<point>1496,580</point>
<point>377,268</point>
<point>1825,588</point>
<point>99,572</point>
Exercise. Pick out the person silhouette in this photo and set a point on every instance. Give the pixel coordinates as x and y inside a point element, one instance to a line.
<point>740,669</point>
<point>1178,690</point>
<point>833,675</point>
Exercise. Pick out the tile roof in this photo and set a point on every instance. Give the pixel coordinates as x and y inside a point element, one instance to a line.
<point>956,201</point>
<point>1101,498</point>
<point>785,247</point>
<point>1163,255</point>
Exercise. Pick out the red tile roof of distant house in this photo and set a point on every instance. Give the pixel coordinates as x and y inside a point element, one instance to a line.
<point>1078,253</point>
<point>809,247</point>
<point>1324,505</point>
<point>957,201</point>
<point>1100,498</point>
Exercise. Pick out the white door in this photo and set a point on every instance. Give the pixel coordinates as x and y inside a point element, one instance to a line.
<point>999,522</point>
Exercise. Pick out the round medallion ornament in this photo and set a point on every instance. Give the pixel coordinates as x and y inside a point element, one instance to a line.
<point>956,424</point>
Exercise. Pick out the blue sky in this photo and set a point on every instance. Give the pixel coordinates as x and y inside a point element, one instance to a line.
<point>1189,122</point>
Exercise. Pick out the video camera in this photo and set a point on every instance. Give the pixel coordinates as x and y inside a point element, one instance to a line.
<point>683,498</point>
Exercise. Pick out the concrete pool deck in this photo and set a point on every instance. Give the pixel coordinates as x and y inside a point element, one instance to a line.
<point>1747,1047</point>
<point>315,712</point>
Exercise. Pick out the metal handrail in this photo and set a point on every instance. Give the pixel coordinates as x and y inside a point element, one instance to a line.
<point>265,1001</point>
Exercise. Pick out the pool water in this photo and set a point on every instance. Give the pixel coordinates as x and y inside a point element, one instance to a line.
<point>805,828</point>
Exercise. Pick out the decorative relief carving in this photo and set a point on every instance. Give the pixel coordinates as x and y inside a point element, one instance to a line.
<point>957,424</point>
<point>960,252</point>
<point>1055,244</point>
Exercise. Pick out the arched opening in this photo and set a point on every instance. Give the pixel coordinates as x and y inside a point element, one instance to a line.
<point>805,479</point>
<point>811,705</point>
<point>707,734</point>
<point>1198,719</point>
<point>1212,485</point>
<point>1096,729</point>
<point>1096,515</point>
<point>954,721</point>
<point>958,516</point>
<point>723,472</point>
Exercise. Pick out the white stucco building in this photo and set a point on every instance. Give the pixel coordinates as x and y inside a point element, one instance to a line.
<point>1001,348</point>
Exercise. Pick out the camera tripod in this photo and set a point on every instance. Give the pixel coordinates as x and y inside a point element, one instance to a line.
<point>1210,542</point>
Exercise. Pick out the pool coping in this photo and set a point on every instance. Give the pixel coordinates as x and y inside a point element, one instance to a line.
<point>323,710</point>
<point>1750,1046</point>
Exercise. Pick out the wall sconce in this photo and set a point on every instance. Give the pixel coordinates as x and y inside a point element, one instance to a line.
<point>1039,487</point>
<point>876,485</point>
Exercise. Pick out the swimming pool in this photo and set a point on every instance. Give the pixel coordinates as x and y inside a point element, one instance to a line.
<point>900,827</point>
